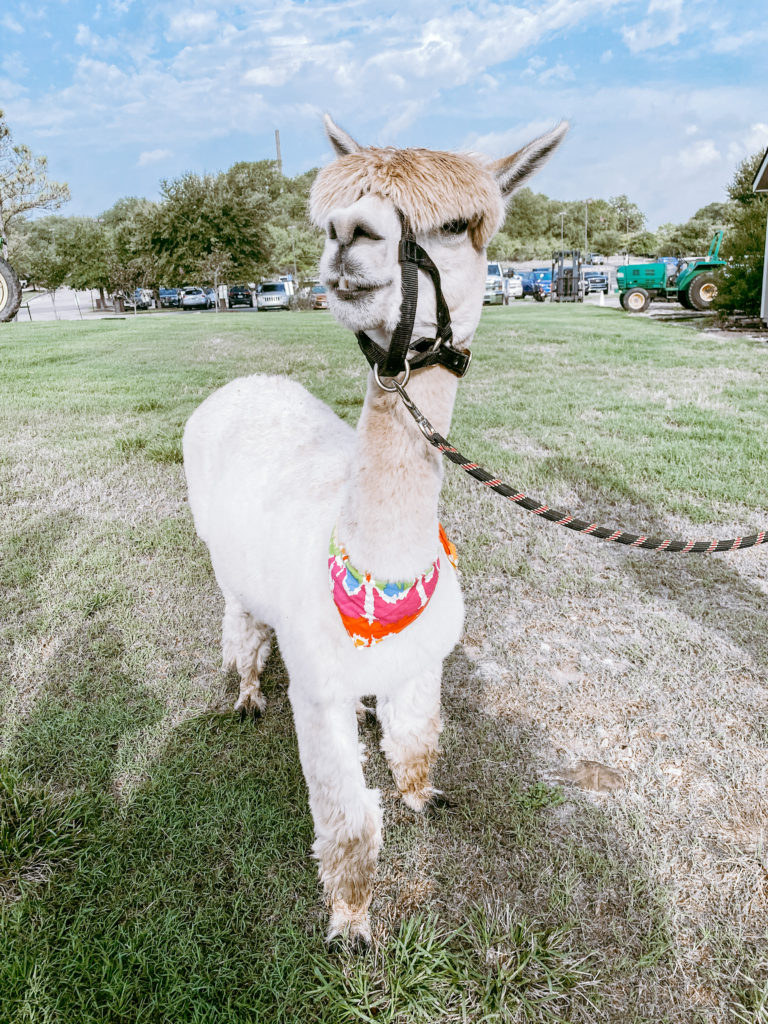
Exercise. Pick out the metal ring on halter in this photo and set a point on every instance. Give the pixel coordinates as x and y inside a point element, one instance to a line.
<point>385,387</point>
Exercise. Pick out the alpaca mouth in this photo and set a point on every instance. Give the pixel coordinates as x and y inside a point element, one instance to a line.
<point>348,291</point>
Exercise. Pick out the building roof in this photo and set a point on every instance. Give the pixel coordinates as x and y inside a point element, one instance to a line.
<point>760,184</point>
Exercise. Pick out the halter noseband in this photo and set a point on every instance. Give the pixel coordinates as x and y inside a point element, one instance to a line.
<point>403,353</point>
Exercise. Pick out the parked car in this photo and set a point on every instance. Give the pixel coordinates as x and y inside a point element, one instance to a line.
<point>273,295</point>
<point>240,295</point>
<point>494,285</point>
<point>170,297</point>
<point>319,297</point>
<point>513,286</point>
<point>595,281</point>
<point>197,298</point>
<point>596,258</point>
<point>211,293</point>
<point>141,299</point>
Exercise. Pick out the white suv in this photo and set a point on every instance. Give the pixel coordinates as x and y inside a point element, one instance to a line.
<point>273,295</point>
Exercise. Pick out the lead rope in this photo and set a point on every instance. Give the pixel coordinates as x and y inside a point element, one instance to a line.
<point>704,547</point>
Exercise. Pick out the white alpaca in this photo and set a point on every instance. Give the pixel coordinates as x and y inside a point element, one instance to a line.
<point>272,473</point>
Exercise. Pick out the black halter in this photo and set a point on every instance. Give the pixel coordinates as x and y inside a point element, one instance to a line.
<point>426,351</point>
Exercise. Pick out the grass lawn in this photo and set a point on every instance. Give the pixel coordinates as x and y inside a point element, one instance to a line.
<point>154,849</point>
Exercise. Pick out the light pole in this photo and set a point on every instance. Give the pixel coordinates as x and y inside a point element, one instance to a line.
<point>291,230</point>
<point>586,227</point>
<point>562,230</point>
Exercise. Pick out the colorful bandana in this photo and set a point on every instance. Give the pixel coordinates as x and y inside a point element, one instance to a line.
<point>372,610</point>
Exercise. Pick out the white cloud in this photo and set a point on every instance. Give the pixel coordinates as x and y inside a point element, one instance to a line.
<point>559,72</point>
<point>152,156</point>
<point>8,21</point>
<point>730,42</point>
<point>84,37</point>
<point>192,25</point>
<point>13,65</point>
<point>663,27</point>
<point>754,140</point>
<point>698,155</point>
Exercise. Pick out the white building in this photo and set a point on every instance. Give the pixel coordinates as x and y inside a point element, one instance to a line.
<point>760,184</point>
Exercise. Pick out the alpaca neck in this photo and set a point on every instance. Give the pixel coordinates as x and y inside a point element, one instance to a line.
<point>388,519</point>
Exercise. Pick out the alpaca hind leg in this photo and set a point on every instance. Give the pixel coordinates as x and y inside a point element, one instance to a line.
<point>346,814</point>
<point>411,727</point>
<point>245,646</point>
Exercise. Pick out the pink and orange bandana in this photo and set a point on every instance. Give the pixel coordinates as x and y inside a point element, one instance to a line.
<point>372,610</point>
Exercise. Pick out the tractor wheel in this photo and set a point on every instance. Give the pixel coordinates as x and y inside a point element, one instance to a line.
<point>10,292</point>
<point>702,290</point>
<point>621,299</point>
<point>636,300</point>
<point>684,299</point>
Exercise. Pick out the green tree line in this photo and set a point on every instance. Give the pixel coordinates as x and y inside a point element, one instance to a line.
<point>242,224</point>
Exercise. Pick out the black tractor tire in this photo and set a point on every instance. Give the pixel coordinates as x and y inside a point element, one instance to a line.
<point>10,292</point>
<point>702,291</point>
<point>635,300</point>
<point>684,299</point>
<point>539,295</point>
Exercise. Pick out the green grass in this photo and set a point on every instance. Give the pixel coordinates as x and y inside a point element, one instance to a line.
<point>154,850</point>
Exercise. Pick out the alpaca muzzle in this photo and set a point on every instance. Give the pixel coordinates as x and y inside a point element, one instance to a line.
<point>403,352</point>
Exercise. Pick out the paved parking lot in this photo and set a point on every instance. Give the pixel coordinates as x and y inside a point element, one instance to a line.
<point>71,305</point>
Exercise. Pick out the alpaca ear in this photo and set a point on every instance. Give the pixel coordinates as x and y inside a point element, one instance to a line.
<point>513,171</point>
<point>342,143</point>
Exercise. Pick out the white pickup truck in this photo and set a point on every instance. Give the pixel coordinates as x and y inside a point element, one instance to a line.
<point>495,291</point>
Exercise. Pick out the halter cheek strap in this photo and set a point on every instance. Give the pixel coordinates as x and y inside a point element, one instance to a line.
<point>438,351</point>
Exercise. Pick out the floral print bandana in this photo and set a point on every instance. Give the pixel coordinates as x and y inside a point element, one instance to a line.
<point>371,609</point>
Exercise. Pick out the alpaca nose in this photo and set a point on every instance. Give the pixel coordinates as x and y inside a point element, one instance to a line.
<point>349,226</point>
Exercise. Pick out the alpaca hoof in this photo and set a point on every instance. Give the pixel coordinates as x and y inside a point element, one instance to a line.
<point>438,802</point>
<point>354,944</point>
<point>348,929</point>
<point>426,800</point>
<point>249,714</point>
<point>251,702</point>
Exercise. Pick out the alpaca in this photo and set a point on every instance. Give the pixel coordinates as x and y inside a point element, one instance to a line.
<point>303,515</point>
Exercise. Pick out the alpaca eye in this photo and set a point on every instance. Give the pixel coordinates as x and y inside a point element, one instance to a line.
<point>454,227</point>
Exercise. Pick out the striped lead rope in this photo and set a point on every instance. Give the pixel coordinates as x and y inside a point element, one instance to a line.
<point>633,540</point>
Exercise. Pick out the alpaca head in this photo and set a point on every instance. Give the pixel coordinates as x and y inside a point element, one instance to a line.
<point>453,203</point>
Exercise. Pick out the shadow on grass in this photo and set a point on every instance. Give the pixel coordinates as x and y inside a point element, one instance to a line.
<point>197,900</point>
<point>545,855</point>
<point>712,592</point>
<point>707,588</point>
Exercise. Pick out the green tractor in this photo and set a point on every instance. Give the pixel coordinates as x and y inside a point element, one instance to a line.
<point>10,290</point>
<point>692,283</point>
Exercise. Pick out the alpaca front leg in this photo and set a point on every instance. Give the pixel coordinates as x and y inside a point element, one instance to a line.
<point>346,814</point>
<point>411,727</point>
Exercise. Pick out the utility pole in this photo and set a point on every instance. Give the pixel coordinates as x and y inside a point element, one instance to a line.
<point>277,147</point>
<point>562,229</point>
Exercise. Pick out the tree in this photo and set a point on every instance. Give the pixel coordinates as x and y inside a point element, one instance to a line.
<point>45,259</point>
<point>214,268</point>
<point>199,213</point>
<point>695,235</point>
<point>89,250</point>
<point>740,284</point>
<point>24,183</point>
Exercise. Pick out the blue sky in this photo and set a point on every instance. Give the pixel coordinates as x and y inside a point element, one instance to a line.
<point>665,97</point>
